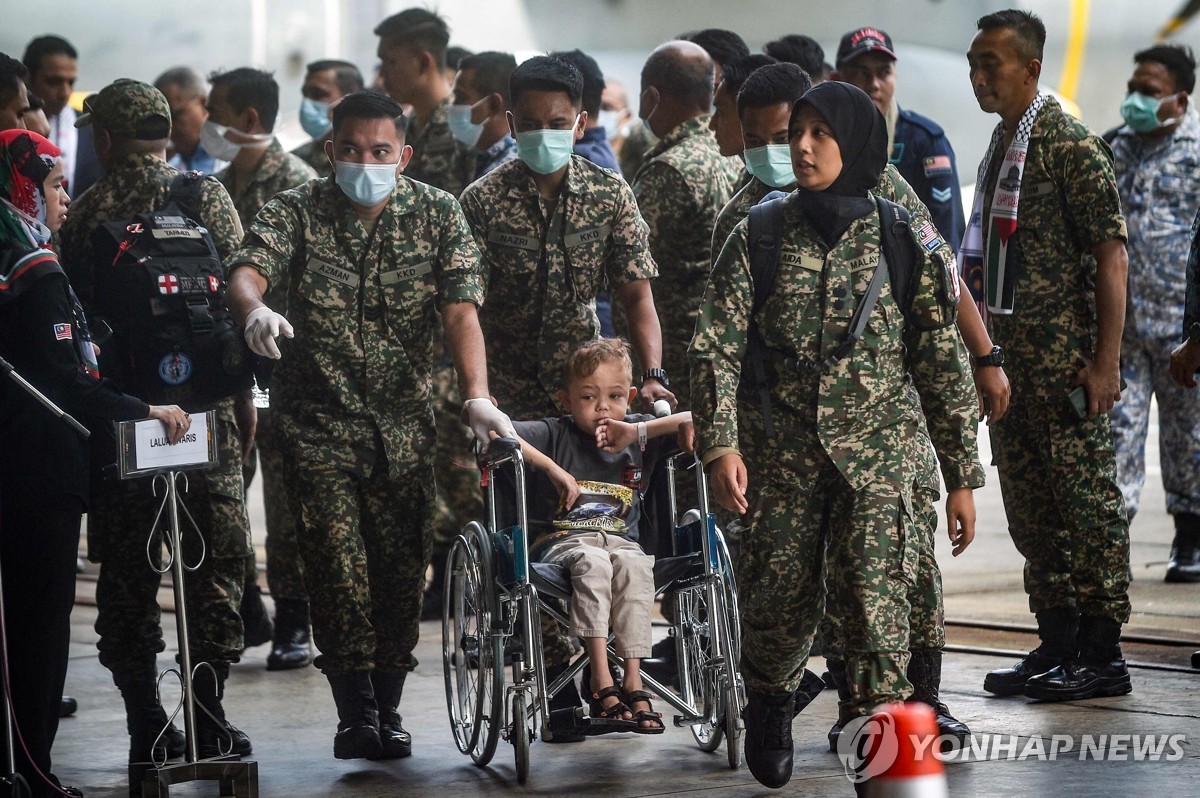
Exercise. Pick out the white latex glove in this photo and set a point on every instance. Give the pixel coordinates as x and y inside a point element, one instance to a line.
<point>263,326</point>
<point>484,417</point>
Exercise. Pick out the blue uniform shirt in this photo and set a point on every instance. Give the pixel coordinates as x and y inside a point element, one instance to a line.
<point>595,147</point>
<point>924,157</point>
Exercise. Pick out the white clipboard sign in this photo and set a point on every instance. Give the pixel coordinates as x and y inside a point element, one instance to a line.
<point>143,447</point>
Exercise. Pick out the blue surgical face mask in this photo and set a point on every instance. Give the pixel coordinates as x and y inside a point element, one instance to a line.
<point>772,164</point>
<point>546,151</point>
<point>1140,112</point>
<point>365,183</point>
<point>314,117</point>
<point>461,127</point>
<point>611,122</point>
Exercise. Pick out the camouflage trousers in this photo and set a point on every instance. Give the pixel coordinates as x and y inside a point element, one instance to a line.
<point>1065,511</point>
<point>926,615</point>
<point>866,542</point>
<point>459,499</point>
<point>365,543</point>
<point>285,569</point>
<point>1145,366</point>
<point>128,619</point>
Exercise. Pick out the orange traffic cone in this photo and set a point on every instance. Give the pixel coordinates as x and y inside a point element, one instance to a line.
<point>915,770</point>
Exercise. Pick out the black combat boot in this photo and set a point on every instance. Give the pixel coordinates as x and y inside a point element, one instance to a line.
<point>1184,565</point>
<point>215,735</point>
<point>1059,630</point>
<point>1099,671</point>
<point>289,644</point>
<point>809,688</point>
<point>256,621</point>
<point>837,674</point>
<point>394,741</point>
<point>145,719</point>
<point>769,749</point>
<point>925,673</point>
<point>358,717</point>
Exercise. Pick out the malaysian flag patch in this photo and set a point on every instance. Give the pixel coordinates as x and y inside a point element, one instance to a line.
<point>938,165</point>
<point>62,332</point>
<point>927,234</point>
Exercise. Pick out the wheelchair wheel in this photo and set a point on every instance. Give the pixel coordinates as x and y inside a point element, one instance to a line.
<point>698,684</point>
<point>469,651</point>
<point>731,690</point>
<point>520,734</point>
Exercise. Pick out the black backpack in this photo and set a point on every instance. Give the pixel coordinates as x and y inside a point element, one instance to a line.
<point>159,285</point>
<point>765,242</point>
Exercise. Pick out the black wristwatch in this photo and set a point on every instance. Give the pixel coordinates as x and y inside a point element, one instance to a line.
<point>657,374</point>
<point>993,358</point>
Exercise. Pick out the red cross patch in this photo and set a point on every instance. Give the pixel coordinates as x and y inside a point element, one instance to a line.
<point>168,284</point>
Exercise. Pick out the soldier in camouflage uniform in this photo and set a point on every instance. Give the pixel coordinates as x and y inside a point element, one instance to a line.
<point>412,54</point>
<point>1059,333</point>
<point>325,82</point>
<point>1155,157</point>
<point>832,488</point>
<point>557,230</point>
<point>131,120</point>
<point>680,189</point>
<point>369,258</point>
<point>246,100</point>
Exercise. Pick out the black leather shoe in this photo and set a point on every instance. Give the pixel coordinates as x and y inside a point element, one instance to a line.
<point>67,707</point>
<point>1075,681</point>
<point>357,742</point>
<point>394,741</point>
<point>290,641</point>
<point>769,750</point>
<point>835,731</point>
<point>1011,681</point>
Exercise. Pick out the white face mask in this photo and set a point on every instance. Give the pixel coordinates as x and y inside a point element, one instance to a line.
<point>461,126</point>
<point>212,138</point>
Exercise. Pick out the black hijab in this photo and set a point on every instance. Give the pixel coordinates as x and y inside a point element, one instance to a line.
<point>861,136</point>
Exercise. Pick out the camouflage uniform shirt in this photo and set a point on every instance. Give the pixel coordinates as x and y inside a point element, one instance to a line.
<point>364,304</point>
<point>680,189</point>
<point>438,158</point>
<point>277,171</point>
<point>1069,204</point>
<point>862,414</point>
<point>313,154</point>
<point>545,269</point>
<point>1159,181</point>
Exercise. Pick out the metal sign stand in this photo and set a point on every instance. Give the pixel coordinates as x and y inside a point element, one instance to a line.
<point>237,777</point>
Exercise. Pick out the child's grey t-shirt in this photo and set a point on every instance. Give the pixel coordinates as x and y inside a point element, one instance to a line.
<point>577,454</point>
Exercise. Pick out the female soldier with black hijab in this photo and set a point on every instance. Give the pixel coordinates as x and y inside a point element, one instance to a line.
<point>832,486</point>
<point>44,463</point>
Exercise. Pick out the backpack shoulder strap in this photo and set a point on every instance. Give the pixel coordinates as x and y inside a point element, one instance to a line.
<point>899,250</point>
<point>765,242</point>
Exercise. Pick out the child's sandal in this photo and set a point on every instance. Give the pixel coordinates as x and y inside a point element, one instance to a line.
<point>644,715</point>
<point>612,715</point>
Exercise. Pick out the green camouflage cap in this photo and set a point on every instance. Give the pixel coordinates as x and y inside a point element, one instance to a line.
<point>128,109</point>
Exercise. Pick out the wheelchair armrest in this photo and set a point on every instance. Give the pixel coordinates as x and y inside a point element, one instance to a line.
<point>498,451</point>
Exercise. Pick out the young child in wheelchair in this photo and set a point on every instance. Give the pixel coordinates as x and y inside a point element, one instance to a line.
<point>585,501</point>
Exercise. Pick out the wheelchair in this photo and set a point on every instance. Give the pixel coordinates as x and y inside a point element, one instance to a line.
<point>493,600</point>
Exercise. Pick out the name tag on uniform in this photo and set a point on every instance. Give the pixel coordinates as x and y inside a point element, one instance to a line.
<point>331,272</point>
<point>1037,189</point>
<point>809,262</point>
<point>513,240</point>
<point>864,262</point>
<point>173,227</point>
<point>407,273</point>
<point>587,236</point>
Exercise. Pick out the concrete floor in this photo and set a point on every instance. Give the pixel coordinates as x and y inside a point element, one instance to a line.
<point>291,719</point>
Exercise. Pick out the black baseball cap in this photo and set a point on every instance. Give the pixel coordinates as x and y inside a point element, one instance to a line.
<point>864,40</point>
